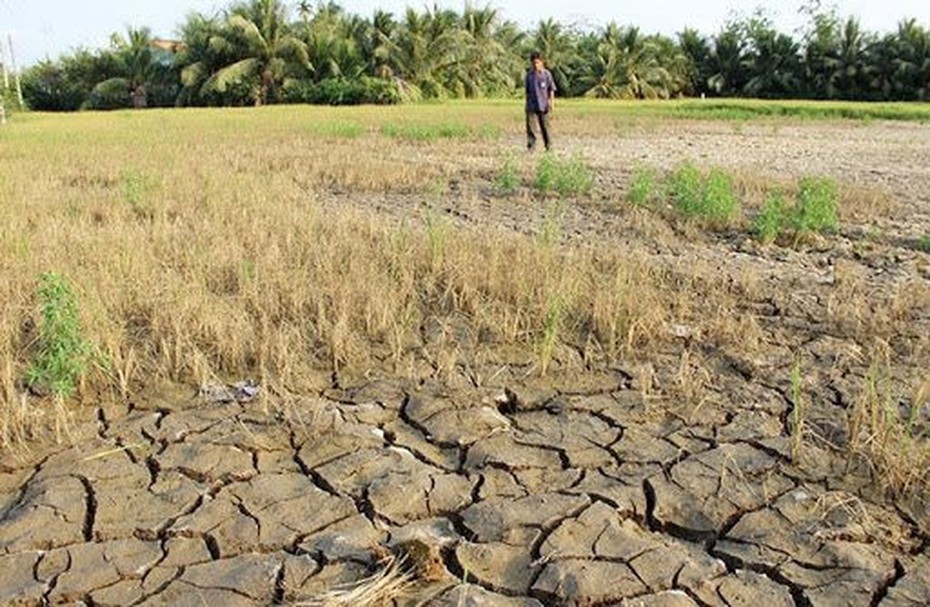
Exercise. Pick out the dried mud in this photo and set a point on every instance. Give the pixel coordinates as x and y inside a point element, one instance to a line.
<point>584,487</point>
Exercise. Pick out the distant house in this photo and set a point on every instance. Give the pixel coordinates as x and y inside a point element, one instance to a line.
<point>171,46</point>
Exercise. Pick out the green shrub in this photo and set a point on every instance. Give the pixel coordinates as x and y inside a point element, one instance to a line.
<point>508,179</point>
<point>708,198</point>
<point>343,91</point>
<point>718,199</point>
<point>770,223</point>
<point>644,187</point>
<point>564,177</point>
<point>686,186</point>
<point>815,208</point>
<point>64,352</point>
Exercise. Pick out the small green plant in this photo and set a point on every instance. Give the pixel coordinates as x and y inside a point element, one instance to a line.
<point>340,129</point>
<point>923,243</point>
<point>422,132</point>
<point>136,189</point>
<point>815,208</point>
<point>508,179</point>
<point>552,325</point>
<point>770,223</point>
<point>564,177</point>
<point>708,198</point>
<point>552,225</point>
<point>686,186</point>
<point>64,352</point>
<point>644,187</point>
<point>719,200</point>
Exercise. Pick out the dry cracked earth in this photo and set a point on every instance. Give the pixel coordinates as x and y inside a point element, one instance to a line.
<point>573,489</point>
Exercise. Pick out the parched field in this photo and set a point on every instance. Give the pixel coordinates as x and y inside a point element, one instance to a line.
<point>475,375</point>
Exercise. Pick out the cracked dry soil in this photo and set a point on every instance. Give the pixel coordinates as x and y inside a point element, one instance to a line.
<point>572,489</point>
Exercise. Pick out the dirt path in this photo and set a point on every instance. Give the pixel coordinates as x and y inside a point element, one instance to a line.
<point>575,489</point>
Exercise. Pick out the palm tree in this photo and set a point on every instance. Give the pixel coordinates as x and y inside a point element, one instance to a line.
<point>850,75</point>
<point>631,66</point>
<point>727,62</point>
<point>422,49</point>
<point>138,67</point>
<point>912,73</point>
<point>258,36</point>
<point>488,62</point>
<point>559,48</point>
<point>332,39</point>
<point>697,50</point>
<point>773,64</point>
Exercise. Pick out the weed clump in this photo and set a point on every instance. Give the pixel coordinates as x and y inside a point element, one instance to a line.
<point>64,352</point>
<point>508,179</point>
<point>564,177</point>
<point>644,189</point>
<point>814,210</point>
<point>709,198</point>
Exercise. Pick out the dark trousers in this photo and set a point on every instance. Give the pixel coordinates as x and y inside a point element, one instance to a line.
<point>543,119</point>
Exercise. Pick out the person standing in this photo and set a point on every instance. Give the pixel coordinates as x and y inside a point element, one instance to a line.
<point>540,99</point>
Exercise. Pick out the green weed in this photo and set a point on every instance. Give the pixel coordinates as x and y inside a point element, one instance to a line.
<point>423,132</point>
<point>564,177</point>
<point>137,188</point>
<point>339,129</point>
<point>770,223</point>
<point>923,243</point>
<point>815,208</point>
<point>64,353</point>
<point>708,198</point>
<point>644,187</point>
<point>508,179</point>
<point>551,230</point>
<point>552,325</point>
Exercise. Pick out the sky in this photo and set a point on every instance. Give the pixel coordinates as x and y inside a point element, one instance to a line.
<point>46,29</point>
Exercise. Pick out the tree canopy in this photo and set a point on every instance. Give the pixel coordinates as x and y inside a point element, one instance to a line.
<point>268,51</point>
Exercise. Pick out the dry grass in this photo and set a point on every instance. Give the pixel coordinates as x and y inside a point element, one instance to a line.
<point>206,244</point>
<point>382,589</point>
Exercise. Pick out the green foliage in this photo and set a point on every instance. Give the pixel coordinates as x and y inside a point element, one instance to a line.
<point>426,132</point>
<point>64,352</point>
<point>343,91</point>
<point>508,178</point>
<point>644,189</point>
<point>770,223</point>
<point>342,129</point>
<point>137,188</point>
<point>923,243</point>
<point>254,49</point>
<point>709,198</point>
<point>552,326</point>
<point>815,209</point>
<point>551,230</point>
<point>564,177</point>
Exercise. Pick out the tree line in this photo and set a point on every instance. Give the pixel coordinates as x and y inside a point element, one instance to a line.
<point>263,51</point>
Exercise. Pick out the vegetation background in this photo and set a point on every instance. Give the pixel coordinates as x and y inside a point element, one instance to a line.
<point>262,51</point>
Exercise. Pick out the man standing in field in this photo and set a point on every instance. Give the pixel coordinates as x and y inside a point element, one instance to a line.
<point>540,98</point>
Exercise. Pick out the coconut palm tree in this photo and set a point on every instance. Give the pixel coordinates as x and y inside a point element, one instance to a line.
<point>629,65</point>
<point>559,48</point>
<point>265,52</point>
<point>138,67</point>
<point>728,61</point>
<point>422,49</point>
<point>487,62</point>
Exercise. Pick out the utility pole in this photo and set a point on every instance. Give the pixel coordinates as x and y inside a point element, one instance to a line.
<point>19,88</point>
